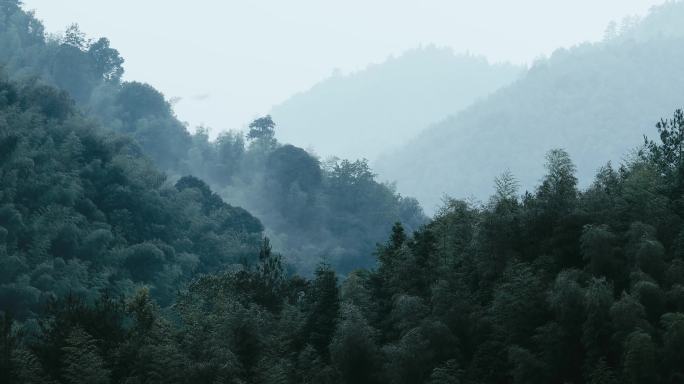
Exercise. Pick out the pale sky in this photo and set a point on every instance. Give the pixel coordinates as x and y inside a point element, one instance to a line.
<point>230,61</point>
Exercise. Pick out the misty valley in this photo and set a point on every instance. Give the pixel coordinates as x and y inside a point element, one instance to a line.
<point>436,217</point>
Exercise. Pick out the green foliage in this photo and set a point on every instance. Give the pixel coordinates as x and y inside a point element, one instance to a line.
<point>602,374</point>
<point>597,329</point>
<point>324,304</point>
<point>353,348</point>
<point>449,373</point>
<point>526,367</point>
<point>312,210</point>
<point>639,359</point>
<point>262,128</point>
<point>597,244</point>
<point>28,368</point>
<point>82,361</point>
<point>668,154</point>
<point>80,211</point>
<point>542,288</point>
<point>113,274</point>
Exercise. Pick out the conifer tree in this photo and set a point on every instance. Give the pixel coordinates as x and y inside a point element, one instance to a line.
<point>82,361</point>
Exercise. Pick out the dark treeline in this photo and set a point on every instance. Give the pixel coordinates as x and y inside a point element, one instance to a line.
<point>311,209</point>
<point>556,286</point>
<point>112,272</point>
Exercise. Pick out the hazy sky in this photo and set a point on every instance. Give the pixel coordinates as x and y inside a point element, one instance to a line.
<point>230,61</point>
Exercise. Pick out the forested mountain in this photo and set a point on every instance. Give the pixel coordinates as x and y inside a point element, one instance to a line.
<point>112,272</point>
<point>594,100</point>
<point>561,285</point>
<point>335,211</point>
<point>365,113</point>
<point>82,212</point>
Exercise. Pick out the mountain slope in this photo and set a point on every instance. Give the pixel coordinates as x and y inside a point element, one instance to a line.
<point>307,218</point>
<point>83,212</point>
<point>361,114</point>
<point>594,100</point>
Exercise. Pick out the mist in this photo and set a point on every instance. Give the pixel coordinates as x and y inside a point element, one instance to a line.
<point>230,62</point>
<point>341,193</point>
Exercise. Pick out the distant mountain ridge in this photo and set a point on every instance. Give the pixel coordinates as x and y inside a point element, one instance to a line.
<point>594,100</point>
<point>362,114</point>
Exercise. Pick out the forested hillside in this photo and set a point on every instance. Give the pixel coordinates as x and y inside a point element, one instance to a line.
<point>368,112</point>
<point>594,100</point>
<point>335,211</point>
<point>82,212</point>
<point>555,286</point>
<point>117,267</point>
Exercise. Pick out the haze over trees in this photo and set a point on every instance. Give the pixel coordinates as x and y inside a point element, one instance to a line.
<point>304,204</point>
<point>115,267</point>
<point>99,253</point>
<point>366,113</point>
<point>595,100</point>
<point>81,211</point>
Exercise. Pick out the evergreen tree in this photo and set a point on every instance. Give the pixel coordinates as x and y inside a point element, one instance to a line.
<point>353,351</point>
<point>324,303</point>
<point>640,364</point>
<point>601,373</point>
<point>28,369</point>
<point>82,360</point>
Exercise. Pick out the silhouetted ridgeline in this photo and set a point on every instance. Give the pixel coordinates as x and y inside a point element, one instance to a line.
<point>371,111</point>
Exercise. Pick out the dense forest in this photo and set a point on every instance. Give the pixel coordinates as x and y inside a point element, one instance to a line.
<point>556,285</point>
<point>313,210</point>
<point>371,111</point>
<point>594,99</point>
<point>82,211</point>
<point>124,257</point>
